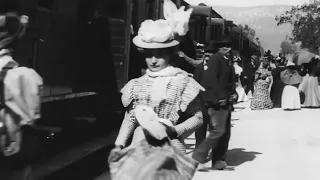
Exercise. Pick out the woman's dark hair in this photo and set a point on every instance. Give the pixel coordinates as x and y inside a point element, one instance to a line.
<point>170,50</point>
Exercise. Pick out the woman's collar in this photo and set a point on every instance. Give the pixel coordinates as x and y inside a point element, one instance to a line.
<point>168,71</point>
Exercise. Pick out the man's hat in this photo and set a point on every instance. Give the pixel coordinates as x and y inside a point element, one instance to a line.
<point>216,46</point>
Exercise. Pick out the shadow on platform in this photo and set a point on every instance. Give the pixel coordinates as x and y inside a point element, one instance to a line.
<point>236,157</point>
<point>306,107</point>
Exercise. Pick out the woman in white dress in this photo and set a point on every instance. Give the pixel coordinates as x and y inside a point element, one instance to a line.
<point>310,88</point>
<point>290,99</point>
<point>242,97</point>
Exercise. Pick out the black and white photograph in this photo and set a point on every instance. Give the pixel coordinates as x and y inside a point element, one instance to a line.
<point>159,89</point>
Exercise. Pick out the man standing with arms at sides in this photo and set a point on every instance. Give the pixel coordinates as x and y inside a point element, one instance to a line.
<point>249,70</point>
<point>218,80</point>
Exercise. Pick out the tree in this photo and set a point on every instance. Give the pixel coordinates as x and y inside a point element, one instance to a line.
<point>248,31</point>
<point>288,47</point>
<point>306,24</point>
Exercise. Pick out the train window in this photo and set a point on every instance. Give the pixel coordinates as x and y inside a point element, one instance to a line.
<point>9,5</point>
<point>48,4</point>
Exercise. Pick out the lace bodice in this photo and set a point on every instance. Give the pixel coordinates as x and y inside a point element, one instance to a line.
<point>168,94</point>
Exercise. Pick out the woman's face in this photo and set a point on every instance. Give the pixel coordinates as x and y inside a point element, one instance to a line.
<point>157,59</point>
<point>265,63</point>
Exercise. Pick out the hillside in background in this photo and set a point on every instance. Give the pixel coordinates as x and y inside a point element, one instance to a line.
<point>262,20</point>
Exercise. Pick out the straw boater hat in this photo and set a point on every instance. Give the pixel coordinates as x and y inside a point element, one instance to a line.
<point>162,33</point>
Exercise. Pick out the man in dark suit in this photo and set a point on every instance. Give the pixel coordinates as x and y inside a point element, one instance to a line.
<point>248,71</point>
<point>217,79</point>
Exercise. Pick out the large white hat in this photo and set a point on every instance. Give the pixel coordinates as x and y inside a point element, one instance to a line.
<point>154,35</point>
<point>161,33</point>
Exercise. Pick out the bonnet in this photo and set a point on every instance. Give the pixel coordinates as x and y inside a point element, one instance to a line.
<point>12,27</point>
<point>162,33</point>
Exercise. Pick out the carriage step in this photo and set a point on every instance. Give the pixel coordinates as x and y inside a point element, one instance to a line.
<point>82,163</point>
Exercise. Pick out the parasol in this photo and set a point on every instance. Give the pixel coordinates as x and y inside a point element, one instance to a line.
<point>290,77</point>
<point>302,56</point>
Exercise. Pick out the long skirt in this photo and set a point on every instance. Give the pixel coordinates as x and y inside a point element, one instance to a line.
<point>147,162</point>
<point>242,94</point>
<point>310,87</point>
<point>290,98</point>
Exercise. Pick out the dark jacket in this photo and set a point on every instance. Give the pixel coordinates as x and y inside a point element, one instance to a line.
<point>218,79</point>
<point>249,71</point>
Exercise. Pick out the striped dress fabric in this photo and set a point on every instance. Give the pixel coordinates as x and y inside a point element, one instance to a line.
<point>181,96</point>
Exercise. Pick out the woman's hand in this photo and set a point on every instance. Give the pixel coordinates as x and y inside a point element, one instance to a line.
<point>181,54</point>
<point>171,131</point>
<point>12,149</point>
<point>234,97</point>
<point>115,154</point>
<point>12,146</point>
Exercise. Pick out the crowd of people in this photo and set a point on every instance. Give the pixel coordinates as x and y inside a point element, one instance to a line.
<point>279,82</point>
<point>177,95</point>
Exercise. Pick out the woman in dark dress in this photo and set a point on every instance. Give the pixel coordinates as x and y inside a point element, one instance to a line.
<point>263,79</point>
<point>277,86</point>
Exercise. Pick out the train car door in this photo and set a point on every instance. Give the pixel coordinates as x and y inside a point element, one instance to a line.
<point>51,40</point>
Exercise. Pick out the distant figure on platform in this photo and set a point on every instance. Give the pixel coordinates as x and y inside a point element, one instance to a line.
<point>249,70</point>
<point>290,97</point>
<point>261,97</point>
<point>277,86</point>
<point>310,88</point>
<point>242,97</point>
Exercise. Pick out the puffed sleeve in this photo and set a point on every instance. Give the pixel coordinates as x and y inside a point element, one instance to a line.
<point>190,104</point>
<point>127,93</point>
<point>190,93</point>
<point>129,123</point>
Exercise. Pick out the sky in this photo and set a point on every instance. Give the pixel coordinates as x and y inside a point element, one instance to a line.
<point>246,3</point>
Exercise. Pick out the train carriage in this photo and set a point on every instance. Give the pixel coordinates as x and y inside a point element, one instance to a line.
<point>83,51</point>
